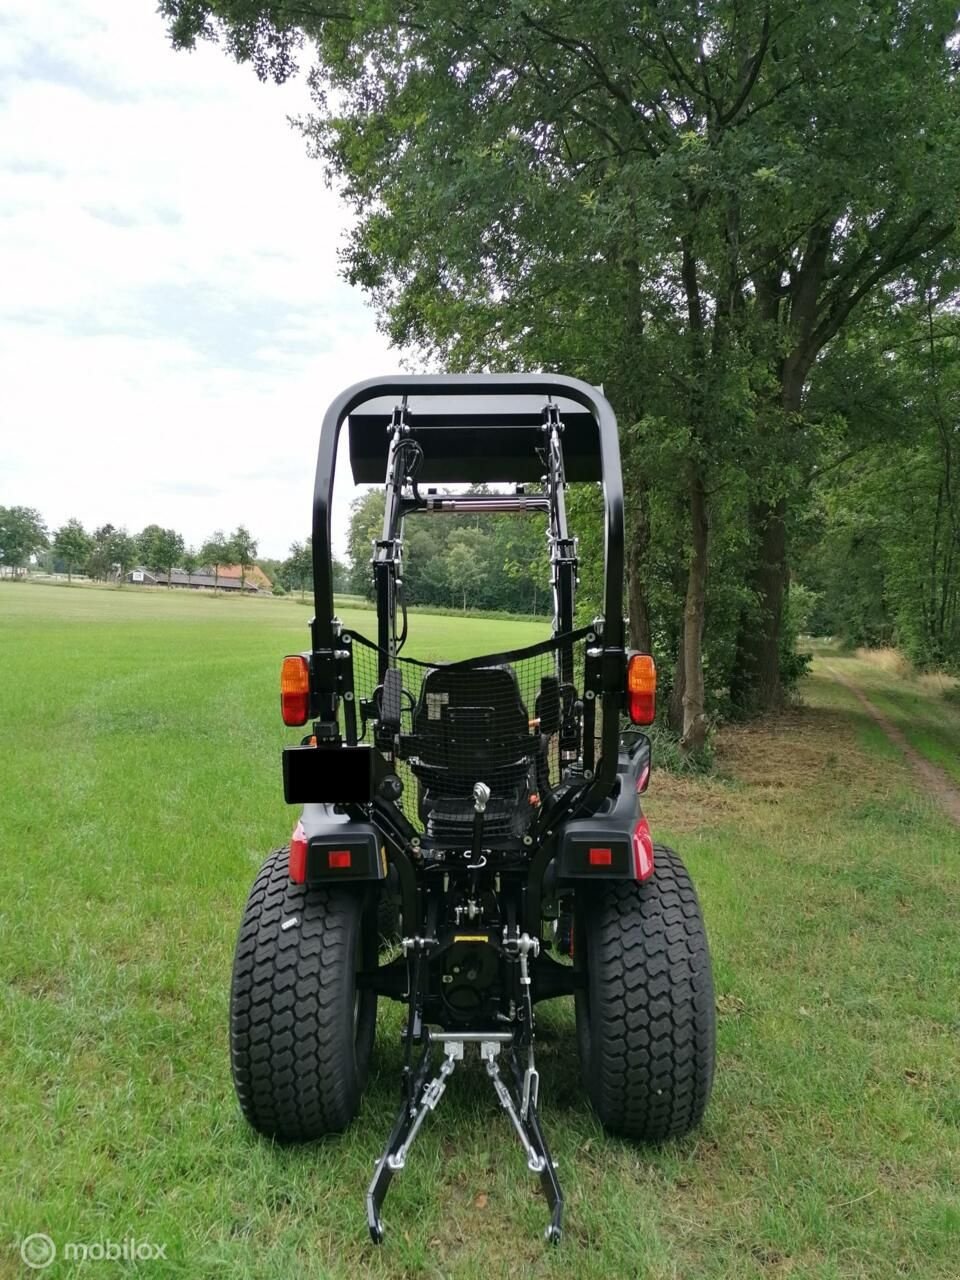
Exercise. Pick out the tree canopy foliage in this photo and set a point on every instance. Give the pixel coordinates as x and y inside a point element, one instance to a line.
<point>108,552</point>
<point>22,534</point>
<point>692,204</point>
<point>880,554</point>
<point>73,545</point>
<point>160,549</point>
<point>478,562</point>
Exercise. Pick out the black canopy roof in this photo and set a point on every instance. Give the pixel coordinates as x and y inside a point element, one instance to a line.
<point>474,439</point>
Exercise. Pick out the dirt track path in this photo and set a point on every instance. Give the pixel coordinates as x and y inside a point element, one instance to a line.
<point>938,783</point>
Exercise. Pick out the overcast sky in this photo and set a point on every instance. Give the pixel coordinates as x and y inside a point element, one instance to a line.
<point>171,321</point>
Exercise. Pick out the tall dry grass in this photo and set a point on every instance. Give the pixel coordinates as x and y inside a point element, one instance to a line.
<point>939,682</point>
<point>894,663</point>
<point>891,661</point>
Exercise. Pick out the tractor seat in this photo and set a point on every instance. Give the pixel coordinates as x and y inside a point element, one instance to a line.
<point>470,725</point>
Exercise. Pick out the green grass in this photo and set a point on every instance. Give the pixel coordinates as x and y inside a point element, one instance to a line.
<point>139,742</point>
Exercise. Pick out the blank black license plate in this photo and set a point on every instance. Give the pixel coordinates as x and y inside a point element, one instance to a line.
<point>328,775</point>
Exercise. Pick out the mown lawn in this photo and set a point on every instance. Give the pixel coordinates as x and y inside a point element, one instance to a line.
<point>139,741</point>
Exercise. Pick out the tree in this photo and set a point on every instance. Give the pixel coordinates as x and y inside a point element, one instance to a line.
<point>366,525</point>
<point>520,546</point>
<point>160,549</point>
<point>467,564</point>
<point>243,549</point>
<point>189,560</point>
<point>124,551</point>
<point>22,535</point>
<point>297,570</point>
<point>270,567</point>
<point>72,544</point>
<point>105,553</point>
<point>216,552</point>
<point>882,550</point>
<point>686,202</point>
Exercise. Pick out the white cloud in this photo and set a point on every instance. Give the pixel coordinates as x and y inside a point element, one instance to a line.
<point>171,321</point>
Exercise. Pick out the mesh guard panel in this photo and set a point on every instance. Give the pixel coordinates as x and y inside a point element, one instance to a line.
<point>518,722</point>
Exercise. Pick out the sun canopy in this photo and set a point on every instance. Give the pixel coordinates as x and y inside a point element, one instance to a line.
<point>474,439</point>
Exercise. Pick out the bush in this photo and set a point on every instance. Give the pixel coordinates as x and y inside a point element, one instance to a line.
<point>794,665</point>
<point>278,589</point>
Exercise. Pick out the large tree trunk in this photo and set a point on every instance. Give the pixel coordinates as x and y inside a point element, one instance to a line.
<point>694,732</point>
<point>694,728</point>
<point>755,684</point>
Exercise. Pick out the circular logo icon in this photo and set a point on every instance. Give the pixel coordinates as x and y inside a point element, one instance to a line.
<point>38,1251</point>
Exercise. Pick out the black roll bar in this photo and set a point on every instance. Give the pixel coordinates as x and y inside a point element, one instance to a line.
<point>469,384</point>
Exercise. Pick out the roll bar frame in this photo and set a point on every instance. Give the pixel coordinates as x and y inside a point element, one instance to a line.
<point>606,660</point>
<point>469,384</point>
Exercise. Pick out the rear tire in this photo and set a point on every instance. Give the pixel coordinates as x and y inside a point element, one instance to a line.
<point>645,1014</point>
<point>301,1034</point>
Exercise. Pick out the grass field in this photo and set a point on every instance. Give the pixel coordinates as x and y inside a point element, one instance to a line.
<point>139,741</point>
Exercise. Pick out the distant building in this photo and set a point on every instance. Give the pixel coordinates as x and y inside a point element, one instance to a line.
<point>253,574</point>
<point>227,579</point>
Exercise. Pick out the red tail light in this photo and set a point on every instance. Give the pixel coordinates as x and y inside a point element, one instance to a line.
<point>298,855</point>
<point>339,858</point>
<point>295,690</point>
<point>642,850</point>
<point>641,689</point>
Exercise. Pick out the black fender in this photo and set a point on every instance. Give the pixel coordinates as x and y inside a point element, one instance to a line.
<point>603,846</point>
<point>341,847</point>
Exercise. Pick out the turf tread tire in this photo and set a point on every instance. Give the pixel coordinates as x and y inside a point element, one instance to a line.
<point>299,1047</point>
<point>646,1017</point>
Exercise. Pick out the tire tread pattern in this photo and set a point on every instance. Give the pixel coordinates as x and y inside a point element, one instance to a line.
<point>648,1046</point>
<point>298,1060</point>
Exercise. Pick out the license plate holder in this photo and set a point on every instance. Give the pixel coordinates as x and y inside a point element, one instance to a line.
<point>328,775</point>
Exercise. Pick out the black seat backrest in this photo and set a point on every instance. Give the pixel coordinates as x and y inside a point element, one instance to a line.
<point>470,725</point>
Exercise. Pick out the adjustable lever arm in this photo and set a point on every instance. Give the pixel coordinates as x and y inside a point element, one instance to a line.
<point>481,797</point>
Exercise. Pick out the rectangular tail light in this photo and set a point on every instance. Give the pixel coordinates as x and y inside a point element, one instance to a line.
<point>641,689</point>
<point>295,689</point>
<point>298,855</point>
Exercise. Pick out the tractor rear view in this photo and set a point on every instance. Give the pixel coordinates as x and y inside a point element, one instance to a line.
<point>485,812</point>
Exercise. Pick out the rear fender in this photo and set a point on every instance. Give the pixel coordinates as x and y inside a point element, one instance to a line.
<point>615,842</point>
<point>329,847</point>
